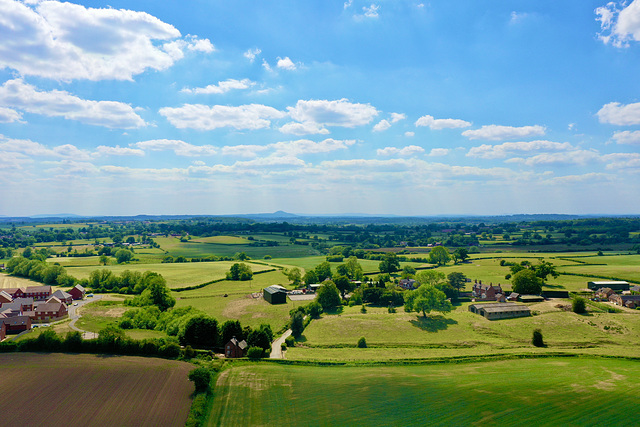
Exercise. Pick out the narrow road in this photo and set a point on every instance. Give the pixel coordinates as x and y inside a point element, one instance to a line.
<point>74,316</point>
<point>276,347</point>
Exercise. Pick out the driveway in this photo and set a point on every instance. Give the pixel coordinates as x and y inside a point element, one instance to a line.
<point>74,316</point>
<point>276,347</point>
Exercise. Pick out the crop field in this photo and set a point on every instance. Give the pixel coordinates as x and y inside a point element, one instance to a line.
<point>7,281</point>
<point>408,335</point>
<point>548,391</point>
<point>81,390</point>
<point>224,240</point>
<point>177,275</point>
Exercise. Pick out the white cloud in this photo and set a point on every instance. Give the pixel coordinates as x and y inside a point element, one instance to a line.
<point>104,150</point>
<point>382,126</point>
<point>409,134</point>
<point>252,53</point>
<point>438,152</point>
<point>180,148</point>
<point>571,126</point>
<point>587,177</point>
<point>305,146</point>
<point>204,117</point>
<point>221,87</point>
<point>619,26</point>
<point>501,151</point>
<point>396,117</point>
<point>498,133</point>
<point>348,4</point>
<point>266,65</point>
<point>371,11</point>
<point>248,151</point>
<point>618,161</point>
<point>305,128</point>
<point>286,64</point>
<point>408,151</point>
<point>7,115</point>
<point>35,149</point>
<point>17,94</point>
<point>333,113</point>
<point>438,124</point>
<point>575,157</point>
<point>67,41</point>
<point>617,114</point>
<point>627,137</point>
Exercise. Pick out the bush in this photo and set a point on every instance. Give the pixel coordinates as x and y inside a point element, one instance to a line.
<point>290,341</point>
<point>201,378</point>
<point>579,305</point>
<point>283,346</point>
<point>537,338</point>
<point>362,343</point>
<point>254,353</point>
<point>363,309</point>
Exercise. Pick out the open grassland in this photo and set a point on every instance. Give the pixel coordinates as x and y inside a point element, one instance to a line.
<point>194,248</point>
<point>239,303</point>
<point>177,275</point>
<point>100,314</point>
<point>549,391</point>
<point>225,240</point>
<point>81,390</point>
<point>407,335</point>
<point>7,281</point>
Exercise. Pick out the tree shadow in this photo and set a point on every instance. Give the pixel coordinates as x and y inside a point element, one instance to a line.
<point>337,310</point>
<point>433,323</point>
<point>546,285</point>
<point>301,339</point>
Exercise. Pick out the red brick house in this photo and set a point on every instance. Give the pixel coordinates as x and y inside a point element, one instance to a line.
<point>604,293</point>
<point>49,311</point>
<point>235,348</point>
<point>38,293</point>
<point>5,297</point>
<point>630,301</point>
<point>15,325</point>
<point>15,292</point>
<point>408,284</point>
<point>77,292</point>
<point>3,329</point>
<point>486,292</point>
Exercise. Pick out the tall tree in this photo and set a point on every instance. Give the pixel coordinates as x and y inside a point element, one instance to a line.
<point>526,282</point>
<point>457,279</point>
<point>343,284</point>
<point>389,263</point>
<point>328,296</point>
<point>430,277</point>
<point>425,299</point>
<point>323,271</point>
<point>439,255</point>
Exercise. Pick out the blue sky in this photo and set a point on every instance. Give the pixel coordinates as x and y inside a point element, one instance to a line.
<point>380,107</point>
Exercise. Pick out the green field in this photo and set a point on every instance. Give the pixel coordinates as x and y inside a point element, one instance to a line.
<point>407,335</point>
<point>549,391</point>
<point>177,275</point>
<point>195,248</point>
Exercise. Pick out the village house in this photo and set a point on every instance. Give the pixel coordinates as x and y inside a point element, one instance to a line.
<point>49,311</point>
<point>15,325</point>
<point>15,292</point>
<point>63,297</point>
<point>629,301</point>
<point>604,293</point>
<point>495,311</point>
<point>5,297</point>
<point>38,293</point>
<point>77,292</point>
<point>235,348</point>
<point>486,292</point>
<point>408,284</point>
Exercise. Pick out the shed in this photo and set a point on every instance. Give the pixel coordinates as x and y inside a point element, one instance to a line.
<point>616,285</point>
<point>77,292</point>
<point>275,294</point>
<point>531,298</point>
<point>501,310</point>
<point>555,294</point>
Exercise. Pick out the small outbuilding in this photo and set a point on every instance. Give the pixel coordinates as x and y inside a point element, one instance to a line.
<point>235,348</point>
<point>275,294</point>
<point>500,310</point>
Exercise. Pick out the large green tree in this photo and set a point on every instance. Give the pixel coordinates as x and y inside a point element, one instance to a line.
<point>425,299</point>
<point>457,279</point>
<point>389,263</point>
<point>200,331</point>
<point>526,282</point>
<point>240,271</point>
<point>123,255</point>
<point>439,255</point>
<point>323,271</point>
<point>328,296</point>
<point>343,284</point>
<point>431,277</point>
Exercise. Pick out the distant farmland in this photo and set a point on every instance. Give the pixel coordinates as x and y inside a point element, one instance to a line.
<point>81,390</point>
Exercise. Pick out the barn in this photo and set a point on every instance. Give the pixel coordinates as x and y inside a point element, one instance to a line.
<point>616,285</point>
<point>503,310</point>
<point>275,294</point>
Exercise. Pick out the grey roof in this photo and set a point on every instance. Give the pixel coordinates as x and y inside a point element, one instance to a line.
<point>79,287</point>
<point>61,294</point>
<point>275,289</point>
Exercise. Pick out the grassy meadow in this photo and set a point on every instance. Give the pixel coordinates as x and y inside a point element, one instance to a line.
<point>545,391</point>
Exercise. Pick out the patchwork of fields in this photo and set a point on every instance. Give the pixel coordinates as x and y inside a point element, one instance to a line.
<point>81,390</point>
<point>548,391</point>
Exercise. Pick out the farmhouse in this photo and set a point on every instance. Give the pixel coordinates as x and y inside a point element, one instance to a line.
<point>604,293</point>
<point>407,284</point>
<point>77,292</point>
<point>235,348</point>
<point>616,285</point>
<point>486,292</point>
<point>504,310</point>
<point>275,294</point>
<point>630,301</point>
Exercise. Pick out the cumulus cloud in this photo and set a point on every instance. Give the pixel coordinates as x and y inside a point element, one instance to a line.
<point>17,94</point>
<point>180,148</point>
<point>486,151</point>
<point>35,149</point>
<point>286,64</point>
<point>221,87</point>
<point>382,126</point>
<point>7,115</point>
<point>438,124</point>
<point>617,161</point>
<point>67,41</point>
<point>498,133</point>
<point>575,157</point>
<point>438,152</point>
<point>619,25</point>
<point>333,113</point>
<point>305,128</point>
<point>371,11</point>
<point>252,53</point>
<point>627,137</point>
<point>409,134</point>
<point>617,114</point>
<point>408,151</point>
<point>204,117</point>
<point>104,150</point>
<point>396,117</point>
<point>248,151</point>
<point>305,146</point>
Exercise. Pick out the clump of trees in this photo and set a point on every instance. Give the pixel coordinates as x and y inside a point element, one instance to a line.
<point>425,299</point>
<point>537,340</point>
<point>40,271</point>
<point>240,271</point>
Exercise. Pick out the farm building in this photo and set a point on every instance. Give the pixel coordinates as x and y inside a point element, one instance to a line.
<point>616,285</point>
<point>77,292</point>
<point>486,292</point>
<point>504,310</point>
<point>235,348</point>
<point>604,293</point>
<point>275,294</point>
<point>630,301</point>
<point>555,294</point>
<point>531,298</point>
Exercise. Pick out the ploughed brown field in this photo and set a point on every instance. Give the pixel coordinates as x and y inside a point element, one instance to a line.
<point>81,390</point>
